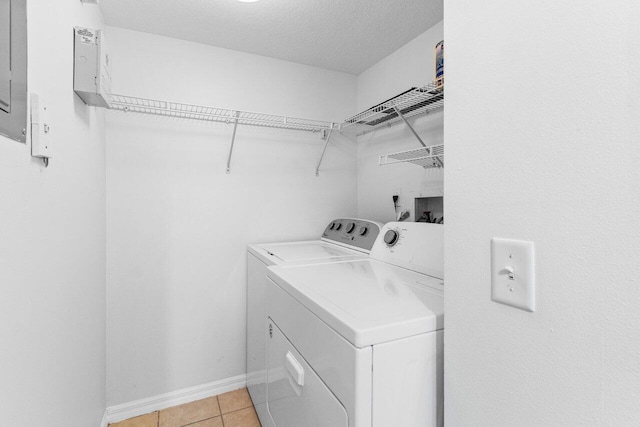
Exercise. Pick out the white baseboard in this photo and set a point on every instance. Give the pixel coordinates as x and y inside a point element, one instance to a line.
<point>104,422</point>
<point>124,411</point>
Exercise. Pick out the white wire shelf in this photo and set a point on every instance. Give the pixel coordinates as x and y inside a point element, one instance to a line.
<point>212,114</point>
<point>410,103</point>
<point>427,157</point>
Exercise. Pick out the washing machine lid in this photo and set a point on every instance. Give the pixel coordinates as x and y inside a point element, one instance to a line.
<point>304,252</point>
<point>366,301</point>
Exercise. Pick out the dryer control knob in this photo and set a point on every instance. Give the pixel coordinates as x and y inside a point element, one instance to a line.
<point>363,231</point>
<point>332,226</point>
<point>338,226</point>
<point>391,237</point>
<point>350,227</point>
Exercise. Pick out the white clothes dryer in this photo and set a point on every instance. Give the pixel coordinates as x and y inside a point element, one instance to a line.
<point>359,343</point>
<point>343,239</point>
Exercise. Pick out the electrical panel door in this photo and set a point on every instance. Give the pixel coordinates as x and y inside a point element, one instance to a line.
<point>13,69</point>
<point>5,55</point>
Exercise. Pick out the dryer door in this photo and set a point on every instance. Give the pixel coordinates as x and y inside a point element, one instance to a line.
<point>296,396</point>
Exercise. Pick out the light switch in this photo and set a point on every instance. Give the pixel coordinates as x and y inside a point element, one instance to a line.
<point>513,273</point>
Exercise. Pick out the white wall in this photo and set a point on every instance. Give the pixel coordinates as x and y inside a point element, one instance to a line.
<point>178,225</point>
<point>543,100</point>
<point>52,243</point>
<point>413,65</point>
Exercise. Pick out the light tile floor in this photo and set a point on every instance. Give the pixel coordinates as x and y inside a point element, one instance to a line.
<point>233,409</point>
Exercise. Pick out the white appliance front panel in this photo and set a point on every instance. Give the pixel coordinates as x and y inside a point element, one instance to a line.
<point>258,258</point>
<point>393,383</point>
<point>296,396</point>
<point>366,301</point>
<point>257,336</point>
<point>346,370</point>
<point>408,382</point>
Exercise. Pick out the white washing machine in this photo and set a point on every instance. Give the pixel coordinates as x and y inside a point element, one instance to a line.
<point>359,343</point>
<point>343,239</point>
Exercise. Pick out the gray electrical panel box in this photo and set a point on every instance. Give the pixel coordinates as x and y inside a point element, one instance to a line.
<point>91,74</point>
<point>13,69</point>
<point>5,54</point>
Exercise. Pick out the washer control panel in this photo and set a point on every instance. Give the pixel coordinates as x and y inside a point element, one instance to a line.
<point>358,233</point>
<point>417,246</point>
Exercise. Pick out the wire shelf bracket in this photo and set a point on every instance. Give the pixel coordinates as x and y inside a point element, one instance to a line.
<point>326,143</point>
<point>413,131</point>
<point>412,102</point>
<point>431,159</point>
<point>154,107</point>
<point>233,140</point>
<point>398,109</point>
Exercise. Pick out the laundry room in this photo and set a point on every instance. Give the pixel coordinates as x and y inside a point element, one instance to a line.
<point>237,213</point>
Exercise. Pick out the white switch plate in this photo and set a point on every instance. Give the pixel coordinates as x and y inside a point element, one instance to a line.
<point>513,273</point>
<point>41,143</point>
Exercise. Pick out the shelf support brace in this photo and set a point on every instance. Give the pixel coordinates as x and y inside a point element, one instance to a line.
<point>233,139</point>
<point>416,134</point>
<point>410,127</point>
<point>324,150</point>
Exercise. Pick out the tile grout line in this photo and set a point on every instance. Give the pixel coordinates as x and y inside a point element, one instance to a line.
<point>220,409</point>
<point>221,414</point>
<point>199,421</point>
<point>239,409</point>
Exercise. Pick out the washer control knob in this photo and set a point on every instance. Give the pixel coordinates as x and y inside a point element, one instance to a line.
<point>350,227</point>
<point>391,237</point>
<point>363,231</point>
<point>338,226</point>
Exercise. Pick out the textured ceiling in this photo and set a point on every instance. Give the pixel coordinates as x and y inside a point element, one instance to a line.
<point>340,35</point>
